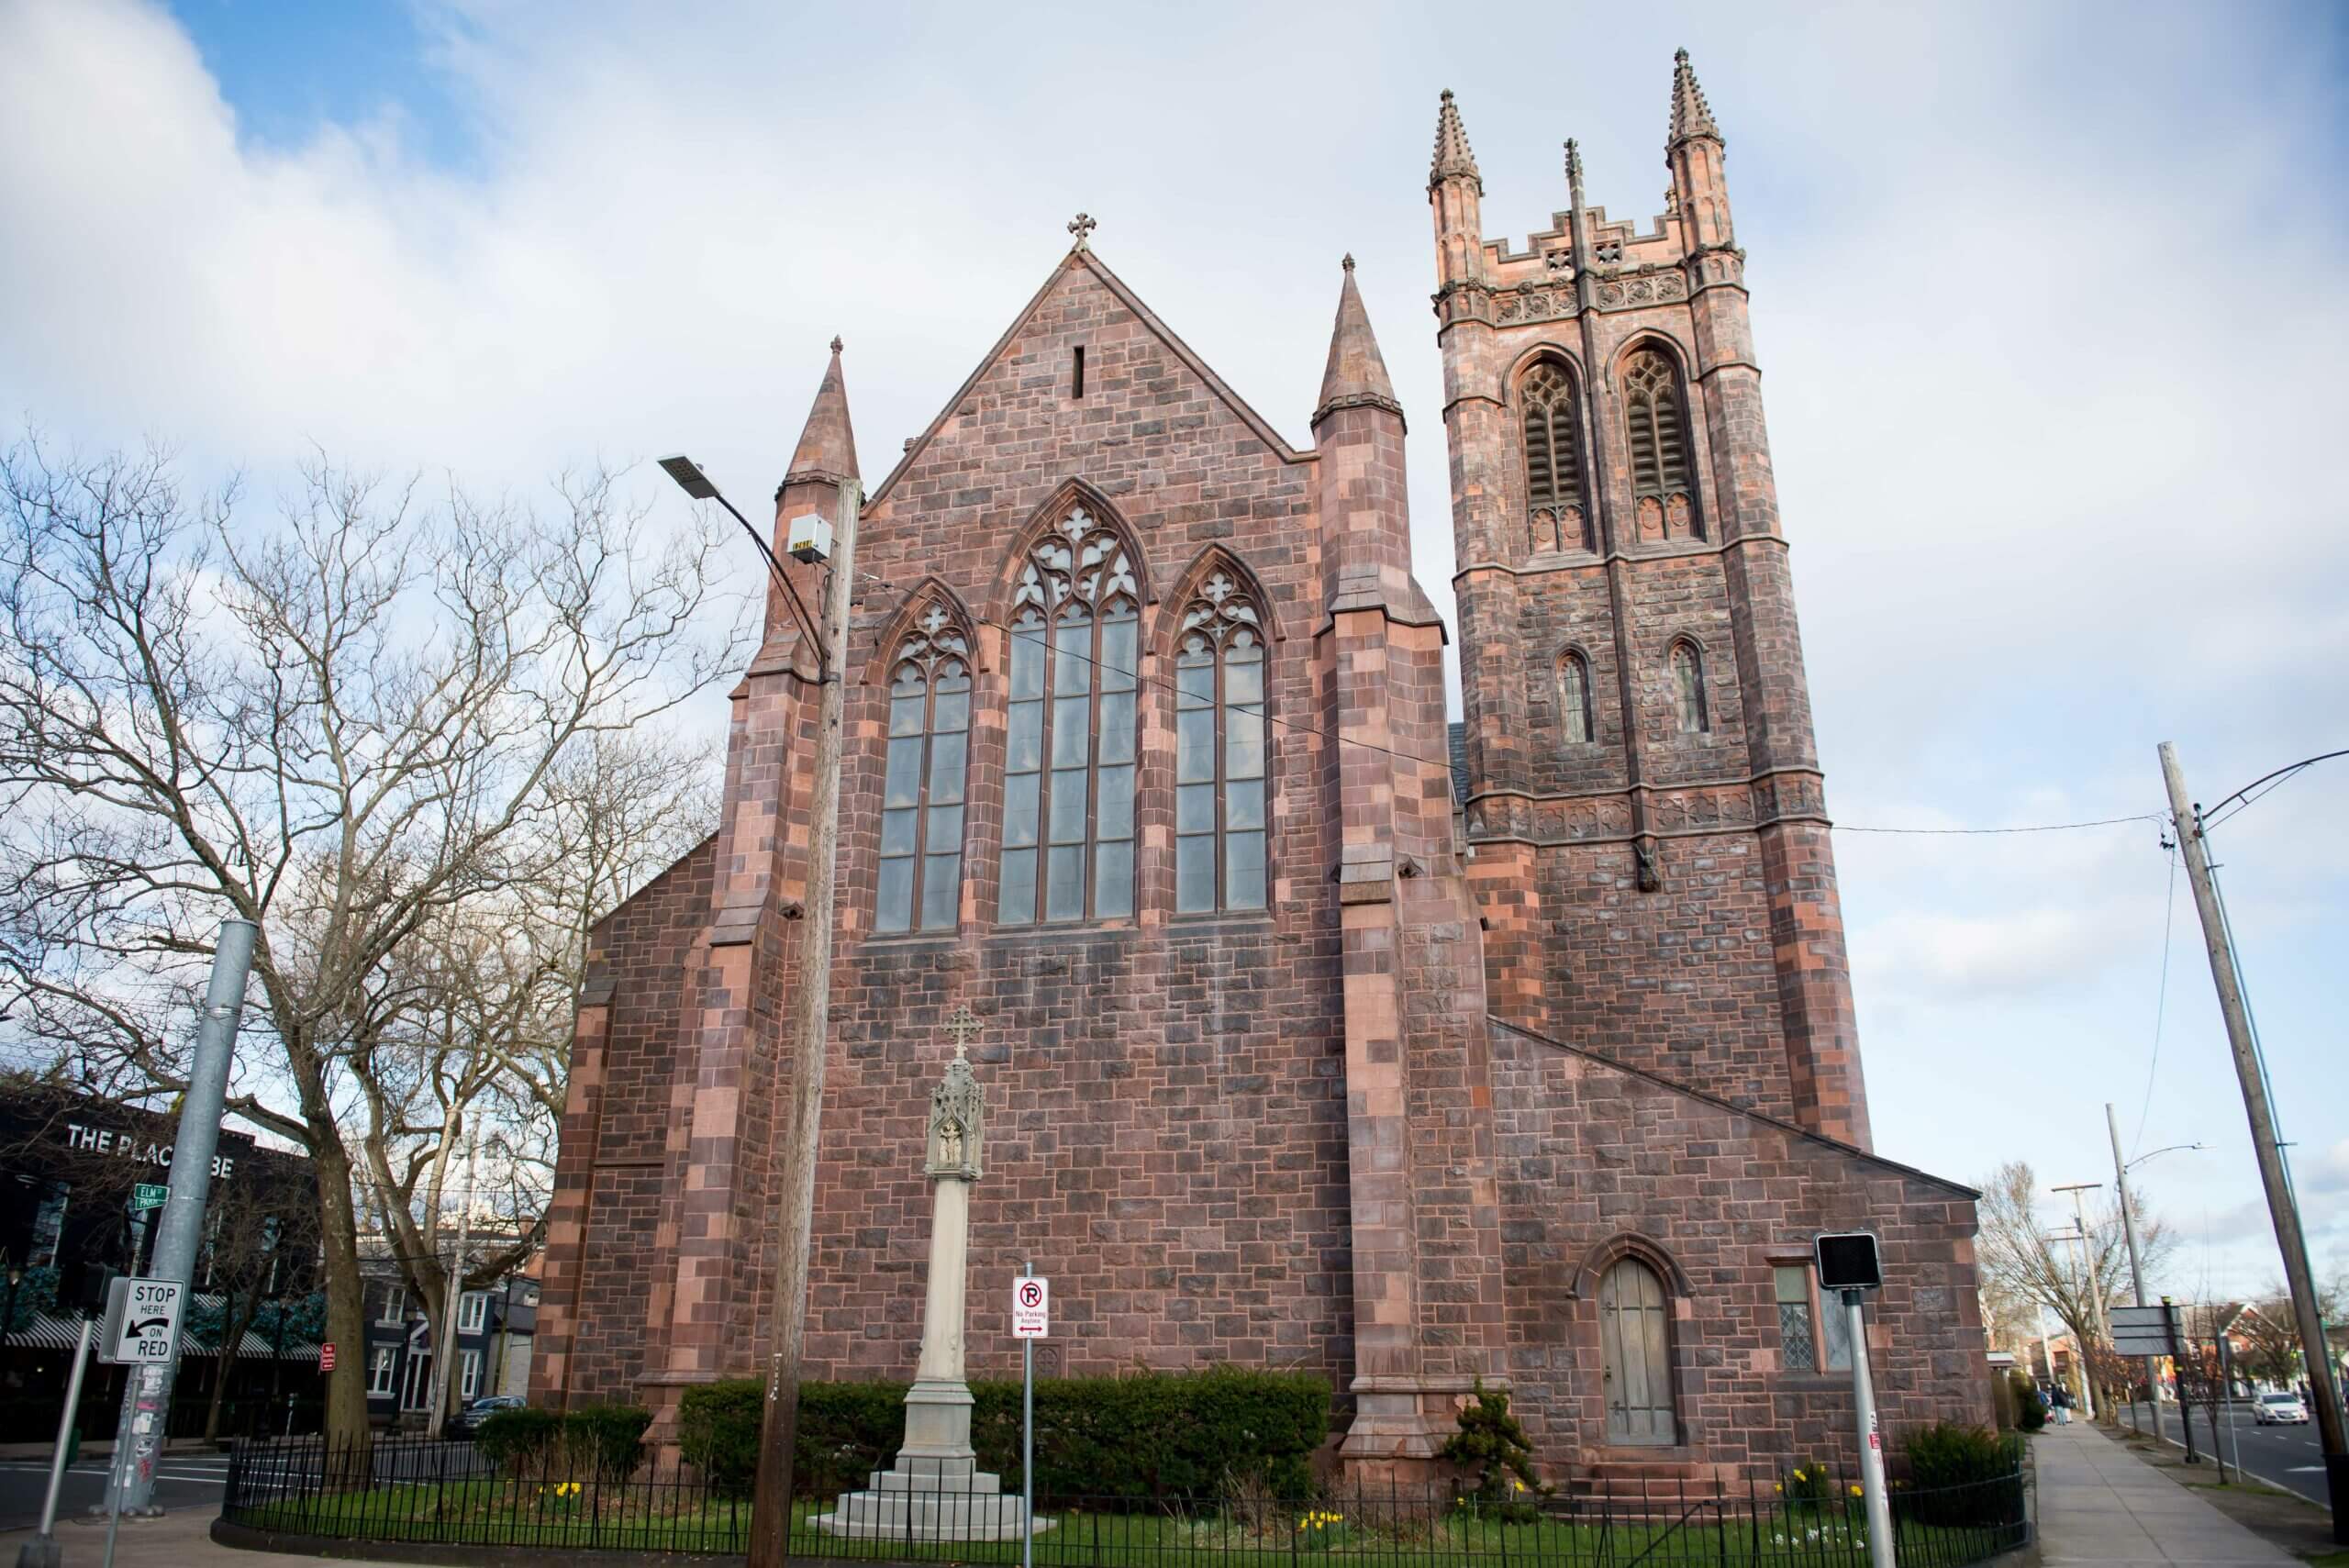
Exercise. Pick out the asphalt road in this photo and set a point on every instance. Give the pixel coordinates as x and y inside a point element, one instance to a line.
<point>182,1481</point>
<point>2286,1457</point>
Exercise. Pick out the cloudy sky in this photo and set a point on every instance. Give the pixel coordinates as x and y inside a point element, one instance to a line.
<point>2049,300</point>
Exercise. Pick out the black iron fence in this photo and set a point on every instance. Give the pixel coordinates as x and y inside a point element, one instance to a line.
<point>395,1489</point>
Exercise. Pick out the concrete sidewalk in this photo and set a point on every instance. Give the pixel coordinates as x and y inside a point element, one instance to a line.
<point>179,1539</point>
<point>2097,1502</point>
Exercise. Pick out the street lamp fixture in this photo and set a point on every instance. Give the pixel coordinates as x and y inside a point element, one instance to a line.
<point>2170,1149</point>
<point>697,484</point>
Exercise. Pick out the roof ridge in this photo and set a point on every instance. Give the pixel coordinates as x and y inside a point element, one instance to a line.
<point>1729,1105</point>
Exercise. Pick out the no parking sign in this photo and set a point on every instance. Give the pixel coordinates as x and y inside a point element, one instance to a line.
<point>1031,1309</point>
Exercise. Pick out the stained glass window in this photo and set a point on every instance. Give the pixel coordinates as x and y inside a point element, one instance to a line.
<point>1219,772</point>
<point>1069,769</point>
<point>922,789</point>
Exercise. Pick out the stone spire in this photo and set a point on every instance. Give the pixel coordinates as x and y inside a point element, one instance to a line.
<point>827,450</point>
<point>1356,376</point>
<point>1453,157</point>
<point>1691,115</point>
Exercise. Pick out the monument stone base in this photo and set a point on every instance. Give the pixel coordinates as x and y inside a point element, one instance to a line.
<point>936,1490</point>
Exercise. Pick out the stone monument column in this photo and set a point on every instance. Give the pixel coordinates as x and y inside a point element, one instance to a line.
<point>938,1406</point>
<point>936,1490</point>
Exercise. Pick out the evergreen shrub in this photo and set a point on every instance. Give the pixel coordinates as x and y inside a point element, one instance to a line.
<point>1495,1458</point>
<point>1136,1439</point>
<point>1963,1474</point>
<point>608,1439</point>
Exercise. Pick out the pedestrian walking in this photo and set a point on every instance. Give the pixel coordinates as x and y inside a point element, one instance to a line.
<point>2063,1400</point>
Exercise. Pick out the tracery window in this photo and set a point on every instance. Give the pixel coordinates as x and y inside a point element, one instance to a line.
<point>1219,805</point>
<point>922,794</point>
<point>1552,441</point>
<point>1574,699</point>
<point>1688,689</point>
<point>1656,433</point>
<point>1068,810</point>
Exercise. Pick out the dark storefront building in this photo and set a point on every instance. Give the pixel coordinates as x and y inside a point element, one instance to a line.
<point>69,1168</point>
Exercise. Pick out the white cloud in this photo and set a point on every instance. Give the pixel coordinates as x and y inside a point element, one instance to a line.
<point>2047,300</point>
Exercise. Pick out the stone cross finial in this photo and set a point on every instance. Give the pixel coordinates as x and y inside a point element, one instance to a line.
<point>962,1024</point>
<point>836,344</point>
<point>1082,226</point>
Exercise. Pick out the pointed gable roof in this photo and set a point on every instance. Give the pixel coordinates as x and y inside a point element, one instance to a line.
<point>827,449</point>
<point>1356,374</point>
<point>1082,258</point>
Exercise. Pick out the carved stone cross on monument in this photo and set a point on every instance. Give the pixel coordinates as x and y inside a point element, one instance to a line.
<point>935,1490</point>
<point>962,1024</point>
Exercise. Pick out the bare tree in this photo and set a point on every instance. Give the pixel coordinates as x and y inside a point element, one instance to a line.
<point>348,726</point>
<point>2019,1263</point>
<point>477,1049</point>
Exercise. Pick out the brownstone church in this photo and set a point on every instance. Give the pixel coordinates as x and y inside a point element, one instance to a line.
<point>1310,1039</point>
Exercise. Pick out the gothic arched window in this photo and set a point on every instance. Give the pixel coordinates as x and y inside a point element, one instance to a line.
<point>1688,689</point>
<point>1068,788</point>
<point>1552,432</point>
<point>1574,699</point>
<point>1656,434</point>
<point>1219,806</point>
<point>921,802</point>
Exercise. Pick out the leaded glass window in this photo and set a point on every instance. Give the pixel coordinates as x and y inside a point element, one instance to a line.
<point>1068,810</point>
<point>922,790</point>
<point>1688,689</point>
<point>1836,1320</point>
<point>1574,700</point>
<point>1798,1345</point>
<point>1219,804</point>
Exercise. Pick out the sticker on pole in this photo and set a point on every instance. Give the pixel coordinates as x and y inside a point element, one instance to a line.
<point>142,1322</point>
<point>1031,1309</point>
<point>326,1356</point>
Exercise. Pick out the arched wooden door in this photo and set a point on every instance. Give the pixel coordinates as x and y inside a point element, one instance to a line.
<point>1634,1332</point>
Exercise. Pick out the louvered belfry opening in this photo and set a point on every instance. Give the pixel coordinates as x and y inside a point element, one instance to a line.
<point>1553,508</point>
<point>1662,499</point>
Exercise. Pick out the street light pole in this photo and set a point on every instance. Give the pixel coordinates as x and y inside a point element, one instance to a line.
<point>809,1027</point>
<point>2093,1273</point>
<point>2283,1208</point>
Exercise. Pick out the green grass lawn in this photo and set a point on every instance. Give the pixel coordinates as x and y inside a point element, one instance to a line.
<point>493,1511</point>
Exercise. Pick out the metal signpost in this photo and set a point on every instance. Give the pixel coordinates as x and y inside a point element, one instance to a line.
<point>41,1551</point>
<point>2151,1332</point>
<point>147,1397</point>
<point>1031,1320</point>
<point>1848,1263</point>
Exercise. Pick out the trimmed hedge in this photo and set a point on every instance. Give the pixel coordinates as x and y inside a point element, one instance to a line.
<point>1151,1436</point>
<point>607,1439</point>
<point>1963,1475</point>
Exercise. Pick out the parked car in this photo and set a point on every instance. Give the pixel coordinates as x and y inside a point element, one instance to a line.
<point>2278,1410</point>
<point>467,1421</point>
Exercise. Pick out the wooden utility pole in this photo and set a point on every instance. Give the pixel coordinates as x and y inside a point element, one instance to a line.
<point>2282,1207</point>
<point>449,1391</point>
<point>810,1032</point>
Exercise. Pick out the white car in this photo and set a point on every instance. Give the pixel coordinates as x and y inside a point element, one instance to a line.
<point>2278,1410</point>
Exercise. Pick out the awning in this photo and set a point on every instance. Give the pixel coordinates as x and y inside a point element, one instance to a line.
<point>48,1331</point>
